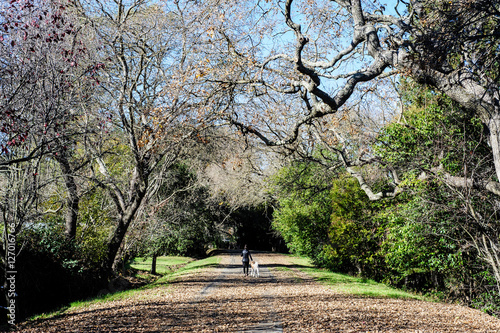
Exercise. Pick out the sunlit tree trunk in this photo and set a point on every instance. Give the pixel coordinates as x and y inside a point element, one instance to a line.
<point>73,199</point>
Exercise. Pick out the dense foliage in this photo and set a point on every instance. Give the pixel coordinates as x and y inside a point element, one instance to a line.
<point>304,210</point>
<point>182,222</point>
<point>428,238</point>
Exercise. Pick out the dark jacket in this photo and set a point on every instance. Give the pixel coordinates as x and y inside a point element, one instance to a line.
<point>245,254</point>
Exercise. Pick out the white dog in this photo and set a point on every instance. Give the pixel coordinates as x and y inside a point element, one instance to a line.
<point>254,271</point>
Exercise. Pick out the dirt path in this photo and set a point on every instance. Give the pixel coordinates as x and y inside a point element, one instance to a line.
<point>281,300</point>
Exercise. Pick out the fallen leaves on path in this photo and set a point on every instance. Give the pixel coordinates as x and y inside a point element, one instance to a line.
<point>223,300</point>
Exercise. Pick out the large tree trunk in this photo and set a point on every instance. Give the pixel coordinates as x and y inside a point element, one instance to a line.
<point>127,214</point>
<point>119,233</point>
<point>73,200</point>
<point>114,246</point>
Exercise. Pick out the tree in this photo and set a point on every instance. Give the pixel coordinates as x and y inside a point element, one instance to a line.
<point>146,103</point>
<point>331,54</point>
<point>45,76</point>
<point>326,216</point>
<point>181,220</point>
<point>437,147</point>
<point>303,211</point>
<point>207,198</point>
<point>355,232</point>
<point>43,62</point>
<point>234,171</point>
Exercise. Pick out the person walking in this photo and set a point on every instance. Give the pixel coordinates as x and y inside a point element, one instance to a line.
<point>246,257</point>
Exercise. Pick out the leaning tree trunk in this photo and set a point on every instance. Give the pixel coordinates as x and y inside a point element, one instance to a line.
<point>126,206</point>
<point>114,246</point>
<point>111,263</point>
<point>126,217</point>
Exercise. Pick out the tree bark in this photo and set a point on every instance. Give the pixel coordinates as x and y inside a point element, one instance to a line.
<point>153,264</point>
<point>127,210</point>
<point>111,263</point>
<point>73,199</point>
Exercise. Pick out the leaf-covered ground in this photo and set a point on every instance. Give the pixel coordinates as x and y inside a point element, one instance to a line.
<point>282,300</point>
